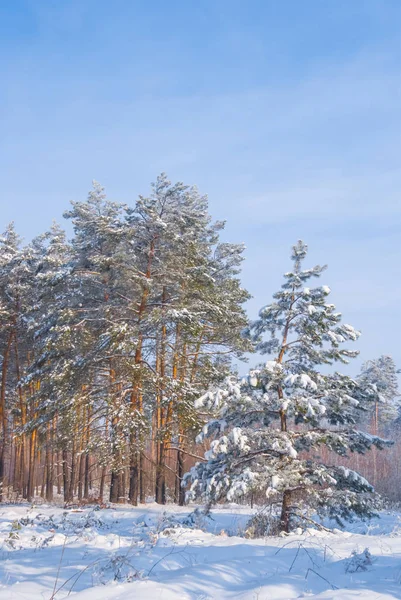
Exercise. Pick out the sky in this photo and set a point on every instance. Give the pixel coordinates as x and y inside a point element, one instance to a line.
<point>286,113</point>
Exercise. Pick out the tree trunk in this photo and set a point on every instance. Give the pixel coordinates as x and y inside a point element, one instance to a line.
<point>58,473</point>
<point>121,486</point>
<point>49,465</point>
<point>142,495</point>
<point>179,490</point>
<point>81,476</point>
<point>114,487</point>
<point>73,469</point>
<point>102,482</point>
<point>65,476</point>
<point>86,477</point>
<point>160,491</point>
<point>32,467</point>
<point>44,474</point>
<point>285,512</point>
<point>87,458</point>
<point>2,461</point>
<point>133,476</point>
<point>16,473</point>
<point>160,495</point>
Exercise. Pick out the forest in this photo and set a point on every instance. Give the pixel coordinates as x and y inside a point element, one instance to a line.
<point>130,370</point>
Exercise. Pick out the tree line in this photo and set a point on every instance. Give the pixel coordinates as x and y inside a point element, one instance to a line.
<point>107,342</point>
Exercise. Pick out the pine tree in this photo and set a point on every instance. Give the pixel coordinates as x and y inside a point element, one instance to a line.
<point>88,379</point>
<point>18,295</point>
<point>40,377</point>
<point>10,292</point>
<point>381,375</point>
<point>183,313</point>
<point>17,264</point>
<point>269,427</point>
<point>71,320</point>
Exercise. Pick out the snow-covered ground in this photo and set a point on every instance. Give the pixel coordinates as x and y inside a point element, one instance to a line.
<point>149,553</point>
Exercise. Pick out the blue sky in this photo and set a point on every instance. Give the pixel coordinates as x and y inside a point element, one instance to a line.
<point>287,113</point>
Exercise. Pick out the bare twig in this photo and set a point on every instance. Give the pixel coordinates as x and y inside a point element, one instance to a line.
<point>333,587</point>
<point>58,569</point>
<point>163,557</point>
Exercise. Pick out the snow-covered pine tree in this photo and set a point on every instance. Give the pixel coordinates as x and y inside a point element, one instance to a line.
<point>189,312</point>
<point>95,385</point>
<point>48,323</point>
<point>381,375</point>
<point>17,268</point>
<point>10,295</point>
<point>268,427</point>
<point>71,320</point>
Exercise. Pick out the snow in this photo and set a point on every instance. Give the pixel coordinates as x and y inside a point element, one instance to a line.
<point>253,377</point>
<point>275,482</point>
<point>153,553</point>
<point>273,367</point>
<point>303,380</point>
<point>239,439</point>
<point>350,474</point>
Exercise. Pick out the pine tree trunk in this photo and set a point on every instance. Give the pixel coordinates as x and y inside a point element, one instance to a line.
<point>22,469</point>
<point>44,474</point>
<point>179,490</point>
<point>87,458</point>
<point>2,461</point>
<point>142,495</point>
<point>24,479</point>
<point>81,476</point>
<point>160,491</point>
<point>65,476</point>
<point>114,487</point>
<point>133,477</point>
<point>86,478</point>
<point>374,450</point>
<point>285,512</point>
<point>160,495</point>
<point>115,476</point>
<point>58,473</point>
<point>102,482</point>
<point>121,486</point>
<point>49,465</point>
<point>17,465</point>
<point>72,474</point>
<point>32,467</point>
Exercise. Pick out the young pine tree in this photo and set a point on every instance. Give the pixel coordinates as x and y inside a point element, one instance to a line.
<point>271,425</point>
<point>381,375</point>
